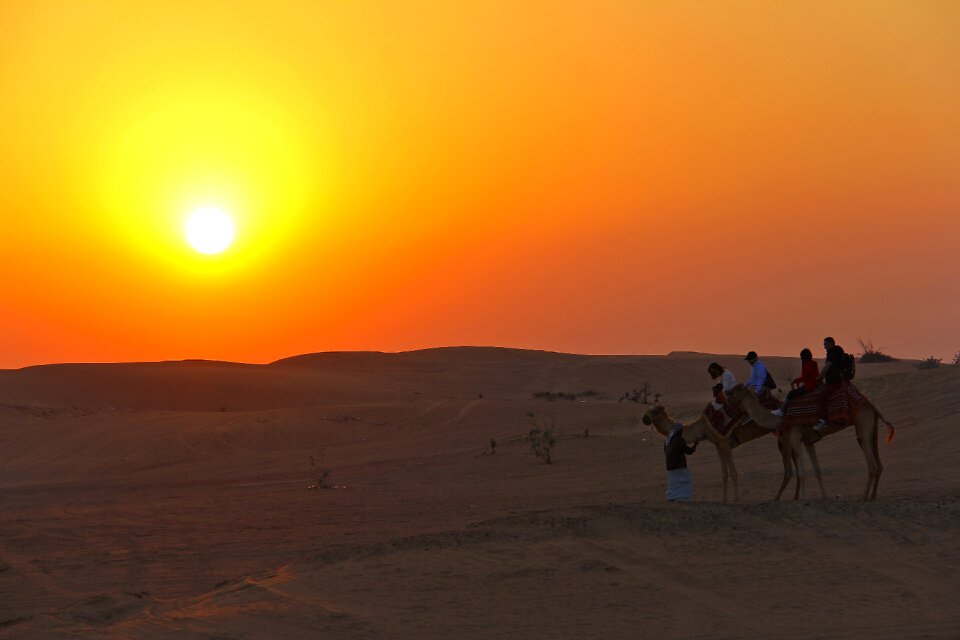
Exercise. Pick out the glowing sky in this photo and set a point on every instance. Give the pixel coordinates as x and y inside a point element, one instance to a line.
<point>595,177</point>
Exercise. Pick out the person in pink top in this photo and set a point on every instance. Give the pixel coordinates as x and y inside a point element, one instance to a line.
<point>807,382</point>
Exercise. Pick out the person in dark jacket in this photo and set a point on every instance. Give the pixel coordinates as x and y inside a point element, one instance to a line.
<point>806,383</point>
<point>676,449</point>
<point>832,377</point>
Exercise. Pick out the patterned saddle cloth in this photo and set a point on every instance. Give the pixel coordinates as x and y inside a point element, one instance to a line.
<point>728,414</point>
<point>841,410</point>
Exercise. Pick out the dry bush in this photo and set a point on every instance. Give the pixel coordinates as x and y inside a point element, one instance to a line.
<point>956,358</point>
<point>870,353</point>
<point>542,439</point>
<point>551,396</point>
<point>643,395</point>
<point>930,363</point>
<point>320,472</point>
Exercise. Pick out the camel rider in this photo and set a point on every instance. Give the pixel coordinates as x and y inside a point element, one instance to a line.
<point>806,383</point>
<point>758,373</point>
<point>831,377</point>
<point>724,380</point>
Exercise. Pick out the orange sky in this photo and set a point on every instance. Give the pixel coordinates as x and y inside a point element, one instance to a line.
<point>595,177</point>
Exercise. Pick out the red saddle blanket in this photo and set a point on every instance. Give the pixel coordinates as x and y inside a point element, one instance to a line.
<point>724,418</point>
<point>841,410</point>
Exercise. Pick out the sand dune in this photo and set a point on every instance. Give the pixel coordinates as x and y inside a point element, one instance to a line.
<point>170,500</point>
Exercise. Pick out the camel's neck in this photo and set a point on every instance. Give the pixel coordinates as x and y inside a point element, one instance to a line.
<point>696,430</point>
<point>692,431</point>
<point>751,404</point>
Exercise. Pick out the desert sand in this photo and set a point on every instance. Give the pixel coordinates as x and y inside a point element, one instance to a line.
<point>172,500</point>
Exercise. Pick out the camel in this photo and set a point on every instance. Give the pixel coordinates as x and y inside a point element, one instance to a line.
<point>701,429</point>
<point>866,424</point>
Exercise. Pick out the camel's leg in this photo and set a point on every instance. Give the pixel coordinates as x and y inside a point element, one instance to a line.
<point>783,443</point>
<point>876,454</point>
<point>723,470</point>
<point>796,436</point>
<point>796,469</point>
<point>732,472</point>
<point>812,452</point>
<point>868,444</point>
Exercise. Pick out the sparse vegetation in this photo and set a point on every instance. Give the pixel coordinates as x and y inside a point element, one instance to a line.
<point>930,363</point>
<point>319,472</point>
<point>551,396</point>
<point>643,395</point>
<point>542,440</point>
<point>956,358</point>
<point>870,353</point>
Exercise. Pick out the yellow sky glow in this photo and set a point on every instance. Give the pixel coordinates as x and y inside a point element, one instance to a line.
<point>541,174</point>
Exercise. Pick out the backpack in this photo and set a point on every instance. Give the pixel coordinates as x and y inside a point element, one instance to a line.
<point>848,367</point>
<point>769,382</point>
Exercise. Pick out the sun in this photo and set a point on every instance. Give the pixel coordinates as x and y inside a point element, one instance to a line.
<point>209,230</point>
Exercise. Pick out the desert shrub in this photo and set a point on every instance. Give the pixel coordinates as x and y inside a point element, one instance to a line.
<point>550,396</point>
<point>542,440</point>
<point>541,443</point>
<point>870,353</point>
<point>956,358</point>
<point>319,472</point>
<point>930,363</point>
<point>643,395</point>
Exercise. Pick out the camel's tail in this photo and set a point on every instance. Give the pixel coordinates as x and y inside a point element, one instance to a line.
<point>891,430</point>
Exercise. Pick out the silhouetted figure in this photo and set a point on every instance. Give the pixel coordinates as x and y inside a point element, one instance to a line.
<point>676,449</point>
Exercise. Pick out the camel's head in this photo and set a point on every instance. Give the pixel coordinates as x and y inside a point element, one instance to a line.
<point>657,416</point>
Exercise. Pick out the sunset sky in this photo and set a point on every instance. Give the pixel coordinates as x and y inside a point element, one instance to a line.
<point>592,177</point>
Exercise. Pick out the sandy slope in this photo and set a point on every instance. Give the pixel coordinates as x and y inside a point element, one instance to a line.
<point>170,500</point>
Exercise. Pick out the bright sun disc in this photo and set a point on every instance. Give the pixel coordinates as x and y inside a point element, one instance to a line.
<point>209,230</point>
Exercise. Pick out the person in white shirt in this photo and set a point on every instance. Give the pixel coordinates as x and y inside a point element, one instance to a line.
<point>724,379</point>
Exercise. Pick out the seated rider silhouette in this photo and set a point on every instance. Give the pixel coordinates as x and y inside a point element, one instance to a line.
<point>726,381</point>
<point>759,377</point>
<point>831,376</point>
<point>803,385</point>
